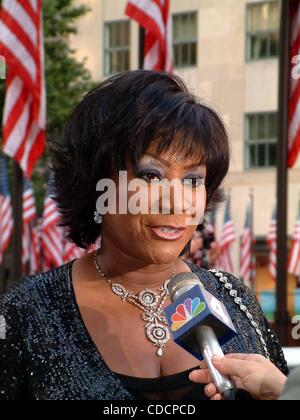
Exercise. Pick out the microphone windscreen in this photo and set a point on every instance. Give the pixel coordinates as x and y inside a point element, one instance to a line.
<point>180,282</point>
<point>193,306</point>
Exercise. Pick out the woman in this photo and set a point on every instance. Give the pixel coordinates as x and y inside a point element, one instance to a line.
<point>94,328</point>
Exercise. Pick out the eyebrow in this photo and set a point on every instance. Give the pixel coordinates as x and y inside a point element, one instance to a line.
<point>165,162</point>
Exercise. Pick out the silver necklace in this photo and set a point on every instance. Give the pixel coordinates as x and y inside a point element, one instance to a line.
<point>150,302</point>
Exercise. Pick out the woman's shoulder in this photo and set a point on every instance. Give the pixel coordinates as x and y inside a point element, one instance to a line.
<point>222,283</point>
<point>35,287</point>
<point>246,314</point>
<point>237,297</point>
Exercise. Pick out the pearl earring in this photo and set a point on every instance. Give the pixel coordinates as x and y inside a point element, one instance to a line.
<point>98,218</point>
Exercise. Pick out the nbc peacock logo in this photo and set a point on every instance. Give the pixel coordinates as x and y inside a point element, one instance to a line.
<point>186,311</point>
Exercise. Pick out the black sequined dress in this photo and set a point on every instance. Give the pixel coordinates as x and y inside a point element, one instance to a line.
<point>48,354</point>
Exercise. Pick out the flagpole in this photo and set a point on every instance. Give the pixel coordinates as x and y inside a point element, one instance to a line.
<point>282,316</point>
<point>141,47</point>
<point>17,199</point>
<point>252,279</point>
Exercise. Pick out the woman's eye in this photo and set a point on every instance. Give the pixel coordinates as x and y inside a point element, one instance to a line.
<point>194,182</point>
<point>149,176</point>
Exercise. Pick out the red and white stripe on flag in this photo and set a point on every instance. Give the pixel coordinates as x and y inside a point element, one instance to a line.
<point>294,261</point>
<point>154,16</point>
<point>72,251</point>
<point>228,237</point>
<point>57,249</point>
<point>52,236</point>
<point>6,212</point>
<point>248,259</point>
<point>272,242</point>
<point>294,111</point>
<point>29,216</point>
<point>6,223</point>
<point>246,255</point>
<point>24,115</point>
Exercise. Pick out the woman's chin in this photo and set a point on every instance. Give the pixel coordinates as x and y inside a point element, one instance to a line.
<point>165,256</point>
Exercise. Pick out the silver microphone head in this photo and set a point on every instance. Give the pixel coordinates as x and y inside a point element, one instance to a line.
<point>182,283</point>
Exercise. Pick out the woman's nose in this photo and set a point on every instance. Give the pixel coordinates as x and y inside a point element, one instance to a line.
<point>172,199</point>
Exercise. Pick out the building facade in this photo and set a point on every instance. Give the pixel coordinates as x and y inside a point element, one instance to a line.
<point>227,52</point>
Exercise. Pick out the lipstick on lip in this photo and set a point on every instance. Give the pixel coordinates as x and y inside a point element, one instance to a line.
<point>177,233</point>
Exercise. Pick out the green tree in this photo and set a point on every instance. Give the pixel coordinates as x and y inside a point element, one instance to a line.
<point>67,79</point>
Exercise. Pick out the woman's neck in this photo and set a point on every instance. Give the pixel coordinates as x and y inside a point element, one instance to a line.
<point>133,273</point>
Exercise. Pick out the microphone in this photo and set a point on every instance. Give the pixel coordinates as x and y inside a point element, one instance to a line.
<point>200,324</point>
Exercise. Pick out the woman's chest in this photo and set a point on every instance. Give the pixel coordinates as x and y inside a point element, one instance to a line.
<point>121,335</point>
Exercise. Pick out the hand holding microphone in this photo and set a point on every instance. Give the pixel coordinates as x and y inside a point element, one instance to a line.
<point>252,373</point>
<point>201,325</point>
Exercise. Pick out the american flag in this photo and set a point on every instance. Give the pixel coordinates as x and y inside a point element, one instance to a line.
<point>29,209</point>
<point>294,111</point>
<point>154,16</point>
<point>57,249</point>
<point>6,213</point>
<point>24,115</point>
<point>228,237</point>
<point>272,243</point>
<point>52,236</point>
<point>72,251</point>
<point>29,217</point>
<point>248,261</point>
<point>294,262</point>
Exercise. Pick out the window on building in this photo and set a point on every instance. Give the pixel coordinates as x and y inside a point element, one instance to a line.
<point>263,21</point>
<point>185,39</point>
<point>116,47</point>
<point>261,140</point>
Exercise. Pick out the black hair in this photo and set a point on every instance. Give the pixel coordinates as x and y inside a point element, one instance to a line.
<point>115,124</point>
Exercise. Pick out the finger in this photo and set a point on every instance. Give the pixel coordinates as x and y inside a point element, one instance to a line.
<point>210,390</point>
<point>217,397</point>
<point>233,367</point>
<point>200,376</point>
<point>247,357</point>
<point>238,356</point>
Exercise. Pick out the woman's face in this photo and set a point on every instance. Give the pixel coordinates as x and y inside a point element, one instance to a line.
<point>143,235</point>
